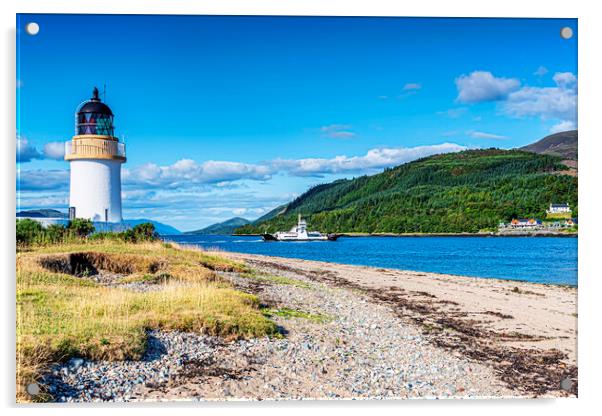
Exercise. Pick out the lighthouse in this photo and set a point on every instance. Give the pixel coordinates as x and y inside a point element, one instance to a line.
<point>95,156</point>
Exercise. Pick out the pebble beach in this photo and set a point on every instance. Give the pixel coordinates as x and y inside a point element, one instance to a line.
<point>354,332</point>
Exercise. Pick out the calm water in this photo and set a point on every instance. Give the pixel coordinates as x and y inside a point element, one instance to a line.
<point>542,260</point>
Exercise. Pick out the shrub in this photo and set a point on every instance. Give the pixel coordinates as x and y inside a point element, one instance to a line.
<point>141,232</point>
<point>28,230</point>
<point>56,233</point>
<point>81,227</point>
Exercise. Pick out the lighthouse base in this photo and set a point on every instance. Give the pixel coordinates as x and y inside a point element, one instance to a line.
<point>95,190</point>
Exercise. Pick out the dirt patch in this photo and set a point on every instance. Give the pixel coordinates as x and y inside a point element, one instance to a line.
<point>210,367</point>
<point>107,269</point>
<point>90,263</point>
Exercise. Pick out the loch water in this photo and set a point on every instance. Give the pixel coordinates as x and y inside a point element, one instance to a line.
<point>548,260</point>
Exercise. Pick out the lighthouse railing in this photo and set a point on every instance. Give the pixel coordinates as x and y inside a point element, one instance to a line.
<point>94,147</point>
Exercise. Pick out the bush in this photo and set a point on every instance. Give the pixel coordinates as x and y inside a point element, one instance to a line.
<point>56,233</point>
<point>141,232</point>
<point>145,232</point>
<point>81,227</point>
<point>28,230</point>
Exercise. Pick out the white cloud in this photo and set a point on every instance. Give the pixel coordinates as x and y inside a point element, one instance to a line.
<point>373,160</point>
<point>54,150</point>
<point>559,102</point>
<point>412,86</point>
<point>41,199</point>
<point>563,126</point>
<point>187,172</point>
<point>42,179</point>
<point>482,135</point>
<point>337,131</point>
<point>481,86</point>
<point>541,71</point>
<point>453,112</point>
<point>217,171</point>
<point>565,79</point>
<point>186,194</point>
<point>342,134</point>
<point>26,152</point>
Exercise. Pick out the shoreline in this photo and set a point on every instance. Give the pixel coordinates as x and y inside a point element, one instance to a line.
<point>425,235</point>
<point>234,254</point>
<point>219,251</point>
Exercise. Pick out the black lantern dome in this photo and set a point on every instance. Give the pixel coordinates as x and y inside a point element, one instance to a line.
<point>94,117</point>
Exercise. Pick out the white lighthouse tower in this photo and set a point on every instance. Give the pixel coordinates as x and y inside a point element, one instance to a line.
<point>95,156</point>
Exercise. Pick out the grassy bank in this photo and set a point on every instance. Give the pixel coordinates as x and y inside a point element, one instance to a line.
<point>63,312</point>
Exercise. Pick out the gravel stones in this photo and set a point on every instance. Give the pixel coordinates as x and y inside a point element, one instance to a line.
<point>83,380</point>
<point>363,351</point>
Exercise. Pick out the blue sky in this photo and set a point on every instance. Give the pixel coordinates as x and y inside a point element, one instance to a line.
<point>232,116</point>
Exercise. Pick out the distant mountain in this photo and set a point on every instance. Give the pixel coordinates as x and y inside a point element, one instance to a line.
<point>465,191</point>
<point>42,213</point>
<point>276,211</point>
<point>226,227</point>
<point>161,228</point>
<point>563,144</point>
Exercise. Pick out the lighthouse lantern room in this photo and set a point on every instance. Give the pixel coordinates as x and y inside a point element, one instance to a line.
<point>95,156</point>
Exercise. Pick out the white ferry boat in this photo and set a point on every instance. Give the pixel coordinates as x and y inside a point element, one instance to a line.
<point>299,233</point>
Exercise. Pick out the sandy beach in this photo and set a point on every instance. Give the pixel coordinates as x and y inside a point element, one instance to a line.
<point>526,332</point>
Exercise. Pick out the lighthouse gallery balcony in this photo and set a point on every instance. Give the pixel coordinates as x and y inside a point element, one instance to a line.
<point>94,147</point>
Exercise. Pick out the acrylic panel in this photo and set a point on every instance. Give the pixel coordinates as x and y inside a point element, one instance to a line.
<point>286,208</point>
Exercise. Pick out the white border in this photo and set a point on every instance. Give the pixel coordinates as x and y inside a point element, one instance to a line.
<point>590,273</point>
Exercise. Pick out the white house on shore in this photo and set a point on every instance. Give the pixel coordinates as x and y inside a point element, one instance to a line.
<point>559,209</point>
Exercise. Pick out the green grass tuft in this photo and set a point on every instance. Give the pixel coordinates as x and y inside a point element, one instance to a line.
<point>288,313</point>
<point>279,280</point>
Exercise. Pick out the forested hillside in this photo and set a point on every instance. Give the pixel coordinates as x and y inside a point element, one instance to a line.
<point>457,192</point>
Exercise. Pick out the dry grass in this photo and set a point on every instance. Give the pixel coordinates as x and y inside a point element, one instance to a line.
<point>60,315</point>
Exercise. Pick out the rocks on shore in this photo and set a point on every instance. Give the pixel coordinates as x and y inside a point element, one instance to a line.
<point>361,351</point>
